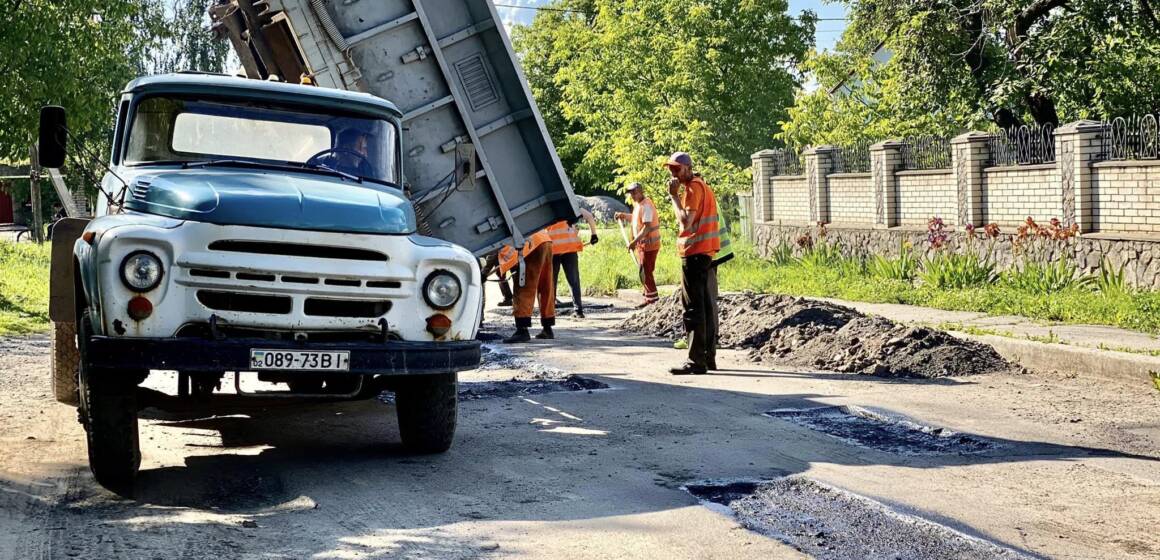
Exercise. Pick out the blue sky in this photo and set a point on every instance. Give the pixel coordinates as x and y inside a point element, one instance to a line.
<point>828,31</point>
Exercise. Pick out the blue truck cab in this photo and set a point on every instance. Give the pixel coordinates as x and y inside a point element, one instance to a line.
<point>249,226</point>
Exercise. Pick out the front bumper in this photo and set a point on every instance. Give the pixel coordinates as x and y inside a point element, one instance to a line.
<point>197,355</point>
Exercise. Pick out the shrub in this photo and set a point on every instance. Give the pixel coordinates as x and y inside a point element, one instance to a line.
<point>1050,278</point>
<point>904,268</point>
<point>1111,282</point>
<point>954,271</point>
<point>821,255</point>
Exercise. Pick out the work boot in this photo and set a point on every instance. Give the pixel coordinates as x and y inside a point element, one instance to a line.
<point>521,336</point>
<point>579,313</point>
<point>546,334</point>
<point>689,369</point>
<point>504,303</point>
<point>711,364</point>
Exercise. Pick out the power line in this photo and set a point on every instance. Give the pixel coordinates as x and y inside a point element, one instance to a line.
<point>574,11</point>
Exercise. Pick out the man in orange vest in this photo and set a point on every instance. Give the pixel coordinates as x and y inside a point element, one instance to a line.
<point>646,239</point>
<point>566,249</point>
<point>698,242</point>
<point>538,284</point>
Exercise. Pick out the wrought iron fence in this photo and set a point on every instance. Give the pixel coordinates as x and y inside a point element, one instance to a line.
<point>926,152</point>
<point>1134,137</point>
<point>788,162</point>
<point>854,158</point>
<point>1023,145</point>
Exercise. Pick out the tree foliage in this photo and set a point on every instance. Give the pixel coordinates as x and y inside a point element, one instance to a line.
<point>623,83</point>
<point>960,64</point>
<point>80,54</point>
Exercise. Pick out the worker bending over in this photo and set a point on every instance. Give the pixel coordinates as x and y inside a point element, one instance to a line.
<point>539,283</point>
<point>566,249</point>
<point>646,239</point>
<point>697,243</point>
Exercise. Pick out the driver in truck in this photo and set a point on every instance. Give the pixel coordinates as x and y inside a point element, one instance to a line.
<point>352,153</point>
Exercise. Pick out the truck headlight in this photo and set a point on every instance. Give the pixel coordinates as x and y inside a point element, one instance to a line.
<point>141,271</point>
<point>442,290</point>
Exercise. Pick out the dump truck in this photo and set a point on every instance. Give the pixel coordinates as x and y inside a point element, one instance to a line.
<point>314,240</point>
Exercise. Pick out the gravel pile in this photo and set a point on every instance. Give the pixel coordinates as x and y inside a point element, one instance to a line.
<point>603,208</point>
<point>796,332</point>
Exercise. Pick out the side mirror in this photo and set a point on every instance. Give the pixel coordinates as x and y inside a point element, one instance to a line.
<point>53,136</point>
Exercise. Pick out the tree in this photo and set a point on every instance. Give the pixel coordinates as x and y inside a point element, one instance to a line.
<point>189,43</point>
<point>80,54</point>
<point>627,82</point>
<point>960,64</point>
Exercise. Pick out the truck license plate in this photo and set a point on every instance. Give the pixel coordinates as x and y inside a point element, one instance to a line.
<point>298,360</point>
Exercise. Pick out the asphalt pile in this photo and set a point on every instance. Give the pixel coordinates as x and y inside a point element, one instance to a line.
<point>782,330</point>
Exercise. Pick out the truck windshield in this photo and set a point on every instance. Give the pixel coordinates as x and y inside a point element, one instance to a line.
<point>180,130</point>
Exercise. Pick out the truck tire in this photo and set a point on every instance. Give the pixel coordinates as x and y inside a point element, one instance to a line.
<point>108,408</point>
<point>427,409</point>
<point>65,363</point>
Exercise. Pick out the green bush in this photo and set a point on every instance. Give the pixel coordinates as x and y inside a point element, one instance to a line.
<point>1049,278</point>
<point>1111,282</point>
<point>955,271</point>
<point>904,268</point>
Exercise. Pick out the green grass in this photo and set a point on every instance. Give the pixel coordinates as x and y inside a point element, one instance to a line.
<point>23,288</point>
<point>608,267</point>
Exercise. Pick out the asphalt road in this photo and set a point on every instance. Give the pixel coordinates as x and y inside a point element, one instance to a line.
<point>1069,468</point>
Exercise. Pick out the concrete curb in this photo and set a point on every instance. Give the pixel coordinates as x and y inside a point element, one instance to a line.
<point>1121,367</point>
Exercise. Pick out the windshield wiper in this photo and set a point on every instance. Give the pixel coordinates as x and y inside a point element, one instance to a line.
<point>295,166</point>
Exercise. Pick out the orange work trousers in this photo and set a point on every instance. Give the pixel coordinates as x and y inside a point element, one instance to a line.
<point>539,283</point>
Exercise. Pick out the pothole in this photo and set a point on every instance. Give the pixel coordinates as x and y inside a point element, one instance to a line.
<point>878,431</point>
<point>827,523</point>
<point>522,387</point>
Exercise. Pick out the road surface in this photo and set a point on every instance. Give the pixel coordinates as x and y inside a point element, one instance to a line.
<point>1067,467</point>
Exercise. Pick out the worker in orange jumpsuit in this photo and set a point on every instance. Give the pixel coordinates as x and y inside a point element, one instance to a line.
<point>539,284</point>
<point>698,242</point>
<point>646,239</point>
<point>566,249</point>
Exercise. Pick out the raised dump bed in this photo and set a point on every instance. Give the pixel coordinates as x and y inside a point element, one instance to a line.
<point>450,67</point>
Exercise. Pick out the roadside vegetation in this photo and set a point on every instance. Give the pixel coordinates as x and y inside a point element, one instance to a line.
<point>959,283</point>
<point>23,288</point>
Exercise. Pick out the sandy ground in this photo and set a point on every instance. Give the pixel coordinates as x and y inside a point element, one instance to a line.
<point>1074,472</point>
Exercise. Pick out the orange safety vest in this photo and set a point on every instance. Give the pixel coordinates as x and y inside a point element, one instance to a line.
<point>704,237</point>
<point>651,241</point>
<point>509,259</point>
<point>565,239</point>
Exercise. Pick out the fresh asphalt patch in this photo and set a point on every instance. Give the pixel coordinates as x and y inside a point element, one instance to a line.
<point>831,524</point>
<point>882,432</point>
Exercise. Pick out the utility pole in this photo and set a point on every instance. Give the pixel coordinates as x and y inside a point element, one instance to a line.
<point>34,193</point>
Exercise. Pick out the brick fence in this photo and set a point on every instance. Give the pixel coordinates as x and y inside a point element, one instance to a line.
<point>1116,204</point>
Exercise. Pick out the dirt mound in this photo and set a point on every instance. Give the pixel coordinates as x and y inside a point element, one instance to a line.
<point>790,331</point>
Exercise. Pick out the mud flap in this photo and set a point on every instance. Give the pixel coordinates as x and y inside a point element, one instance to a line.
<point>62,306</point>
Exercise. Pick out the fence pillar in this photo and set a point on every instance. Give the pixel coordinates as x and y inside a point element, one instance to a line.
<point>763,170</point>
<point>819,165</point>
<point>970,155</point>
<point>1077,146</point>
<point>885,161</point>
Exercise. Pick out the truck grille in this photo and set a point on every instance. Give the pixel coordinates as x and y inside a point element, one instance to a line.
<point>316,307</point>
<point>245,303</point>
<point>297,250</point>
<point>300,280</point>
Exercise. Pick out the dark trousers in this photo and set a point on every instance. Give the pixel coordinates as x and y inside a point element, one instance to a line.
<point>571,264</point>
<point>698,296</point>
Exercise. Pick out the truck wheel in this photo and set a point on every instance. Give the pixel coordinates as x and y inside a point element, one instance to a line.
<point>427,410</point>
<point>109,412</point>
<point>65,361</point>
